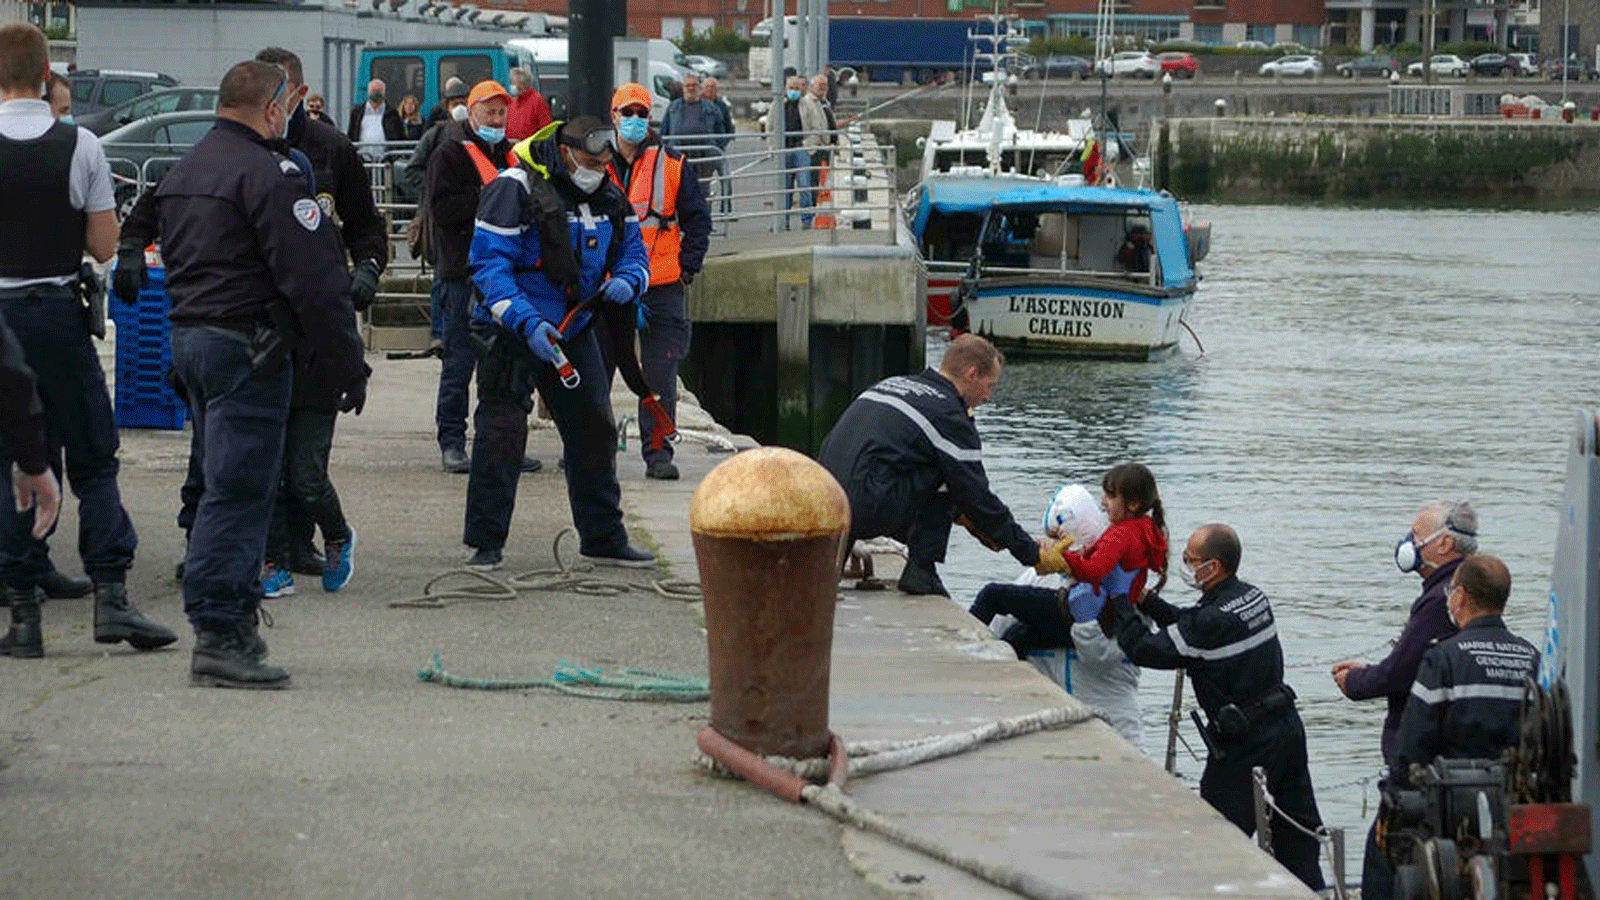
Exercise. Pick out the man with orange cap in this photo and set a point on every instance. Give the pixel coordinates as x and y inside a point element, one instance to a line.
<point>675,225</point>
<point>471,153</point>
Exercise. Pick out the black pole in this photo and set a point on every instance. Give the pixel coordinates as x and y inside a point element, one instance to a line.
<point>593,24</point>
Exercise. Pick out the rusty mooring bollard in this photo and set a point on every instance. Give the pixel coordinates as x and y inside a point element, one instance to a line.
<point>768,525</point>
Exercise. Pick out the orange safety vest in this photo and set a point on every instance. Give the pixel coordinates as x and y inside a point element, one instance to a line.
<point>480,160</point>
<point>654,195</point>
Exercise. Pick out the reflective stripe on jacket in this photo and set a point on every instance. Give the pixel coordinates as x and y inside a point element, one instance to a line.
<point>653,191</point>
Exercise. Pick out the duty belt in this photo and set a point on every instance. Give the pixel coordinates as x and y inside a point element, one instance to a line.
<point>1235,721</point>
<point>39,292</point>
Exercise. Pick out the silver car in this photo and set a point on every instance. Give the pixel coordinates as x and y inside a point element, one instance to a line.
<point>1299,64</point>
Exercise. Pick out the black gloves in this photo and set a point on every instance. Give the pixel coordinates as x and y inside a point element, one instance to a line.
<point>686,279</point>
<point>364,283</point>
<point>130,277</point>
<point>354,399</point>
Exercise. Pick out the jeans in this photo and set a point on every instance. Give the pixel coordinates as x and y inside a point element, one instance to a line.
<point>436,310</point>
<point>239,417</point>
<point>307,443</point>
<point>81,426</point>
<point>455,371</point>
<point>663,344</point>
<point>507,376</point>
<point>797,173</point>
<point>1043,627</point>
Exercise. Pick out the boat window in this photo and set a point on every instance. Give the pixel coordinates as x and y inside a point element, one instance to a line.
<point>951,237</point>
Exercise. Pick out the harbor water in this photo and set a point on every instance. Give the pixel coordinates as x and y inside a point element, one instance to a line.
<point>1357,364</point>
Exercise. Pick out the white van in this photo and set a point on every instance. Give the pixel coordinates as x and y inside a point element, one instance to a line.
<point>634,59</point>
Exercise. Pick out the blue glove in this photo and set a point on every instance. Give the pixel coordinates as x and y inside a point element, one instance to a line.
<point>543,342</point>
<point>643,320</point>
<point>617,290</point>
<point>1085,603</point>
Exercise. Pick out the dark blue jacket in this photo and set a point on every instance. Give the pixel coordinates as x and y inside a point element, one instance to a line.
<point>1428,623</point>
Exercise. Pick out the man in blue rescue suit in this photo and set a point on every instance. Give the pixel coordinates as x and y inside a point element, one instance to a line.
<point>1228,643</point>
<point>1442,535</point>
<point>1467,700</point>
<point>675,226</point>
<point>59,204</point>
<point>909,458</point>
<point>555,244</point>
<point>255,271</point>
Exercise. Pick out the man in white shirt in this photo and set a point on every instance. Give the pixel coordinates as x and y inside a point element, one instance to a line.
<point>374,123</point>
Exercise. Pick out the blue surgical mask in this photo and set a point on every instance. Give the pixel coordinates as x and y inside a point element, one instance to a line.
<point>491,135</point>
<point>633,129</point>
<point>68,120</point>
<point>794,95</point>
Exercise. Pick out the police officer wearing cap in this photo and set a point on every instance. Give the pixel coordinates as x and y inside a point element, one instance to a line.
<point>1228,643</point>
<point>61,171</point>
<point>555,244</point>
<point>675,225</point>
<point>254,270</point>
<point>471,153</point>
<point>1468,696</point>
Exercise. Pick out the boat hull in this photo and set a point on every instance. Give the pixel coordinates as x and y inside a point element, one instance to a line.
<point>1077,320</point>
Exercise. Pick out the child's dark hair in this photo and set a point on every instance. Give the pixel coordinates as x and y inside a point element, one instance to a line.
<point>1135,485</point>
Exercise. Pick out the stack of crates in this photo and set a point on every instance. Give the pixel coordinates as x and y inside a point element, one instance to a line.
<point>145,399</point>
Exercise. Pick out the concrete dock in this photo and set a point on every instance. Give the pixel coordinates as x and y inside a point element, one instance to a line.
<point>118,779</point>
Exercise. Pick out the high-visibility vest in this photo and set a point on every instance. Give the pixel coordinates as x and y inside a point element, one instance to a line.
<point>487,171</point>
<point>653,191</point>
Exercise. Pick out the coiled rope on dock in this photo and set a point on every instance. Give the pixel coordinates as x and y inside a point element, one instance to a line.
<point>446,589</point>
<point>641,685</point>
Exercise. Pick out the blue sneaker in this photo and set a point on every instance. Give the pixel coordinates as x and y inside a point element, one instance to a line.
<point>339,563</point>
<point>276,581</point>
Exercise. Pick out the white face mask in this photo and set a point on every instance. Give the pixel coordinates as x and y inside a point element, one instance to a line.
<point>586,180</point>
<point>459,113</point>
<point>1191,574</point>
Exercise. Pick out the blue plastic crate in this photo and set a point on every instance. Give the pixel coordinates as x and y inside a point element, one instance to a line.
<point>144,399</point>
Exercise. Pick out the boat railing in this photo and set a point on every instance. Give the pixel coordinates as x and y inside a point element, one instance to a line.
<point>1055,273</point>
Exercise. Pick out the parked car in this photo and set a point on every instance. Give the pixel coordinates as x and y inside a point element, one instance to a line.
<point>1308,66</point>
<point>1499,65</point>
<point>1180,64</point>
<point>708,66</point>
<point>176,99</point>
<point>1133,63</point>
<point>1572,69</point>
<point>1527,63</point>
<point>1058,67</point>
<point>1251,45</point>
<point>1380,64</point>
<point>143,151</point>
<point>97,89</point>
<point>1441,64</point>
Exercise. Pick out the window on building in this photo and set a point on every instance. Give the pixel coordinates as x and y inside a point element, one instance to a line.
<point>1208,34</point>
<point>1266,34</point>
<point>672,27</point>
<point>1308,35</point>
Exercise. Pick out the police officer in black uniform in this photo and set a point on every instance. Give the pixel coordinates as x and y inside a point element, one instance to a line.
<point>1228,643</point>
<point>59,204</point>
<point>254,267</point>
<point>22,436</point>
<point>1467,699</point>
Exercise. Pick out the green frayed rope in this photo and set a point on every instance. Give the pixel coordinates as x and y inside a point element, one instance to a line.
<point>624,684</point>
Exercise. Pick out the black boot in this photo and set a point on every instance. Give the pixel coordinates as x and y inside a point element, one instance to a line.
<point>116,619</point>
<point>222,658</point>
<point>24,640</point>
<point>61,586</point>
<point>255,646</point>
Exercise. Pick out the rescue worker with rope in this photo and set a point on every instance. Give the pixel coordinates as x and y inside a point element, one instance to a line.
<point>553,235</point>
<point>675,225</point>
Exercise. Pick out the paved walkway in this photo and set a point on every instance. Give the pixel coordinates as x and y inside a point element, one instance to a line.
<point>117,779</point>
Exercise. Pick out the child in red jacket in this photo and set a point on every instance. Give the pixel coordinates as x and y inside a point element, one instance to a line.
<point>1135,544</point>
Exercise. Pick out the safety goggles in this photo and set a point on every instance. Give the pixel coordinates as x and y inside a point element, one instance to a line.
<point>634,112</point>
<point>595,142</point>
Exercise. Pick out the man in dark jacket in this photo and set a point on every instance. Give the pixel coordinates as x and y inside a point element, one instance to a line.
<point>455,94</point>
<point>1467,700</point>
<point>1228,643</point>
<point>909,458</point>
<point>22,437</point>
<point>1441,536</point>
<point>470,154</point>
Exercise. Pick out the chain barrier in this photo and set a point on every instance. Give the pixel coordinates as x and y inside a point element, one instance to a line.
<point>1331,838</point>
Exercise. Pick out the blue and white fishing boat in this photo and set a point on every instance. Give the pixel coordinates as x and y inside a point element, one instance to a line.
<point>1023,232</point>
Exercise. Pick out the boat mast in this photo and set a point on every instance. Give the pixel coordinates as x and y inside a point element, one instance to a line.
<point>997,123</point>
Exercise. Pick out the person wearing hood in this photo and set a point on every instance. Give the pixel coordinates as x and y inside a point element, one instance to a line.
<point>470,154</point>
<point>555,244</point>
<point>1442,536</point>
<point>1228,643</point>
<point>676,227</point>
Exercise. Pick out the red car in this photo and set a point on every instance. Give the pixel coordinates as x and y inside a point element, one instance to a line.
<point>1181,65</point>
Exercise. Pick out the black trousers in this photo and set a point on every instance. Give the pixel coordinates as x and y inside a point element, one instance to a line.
<point>81,428</point>
<point>508,374</point>
<point>889,508</point>
<point>1280,749</point>
<point>308,441</point>
<point>239,416</point>
<point>1043,627</point>
<point>663,343</point>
